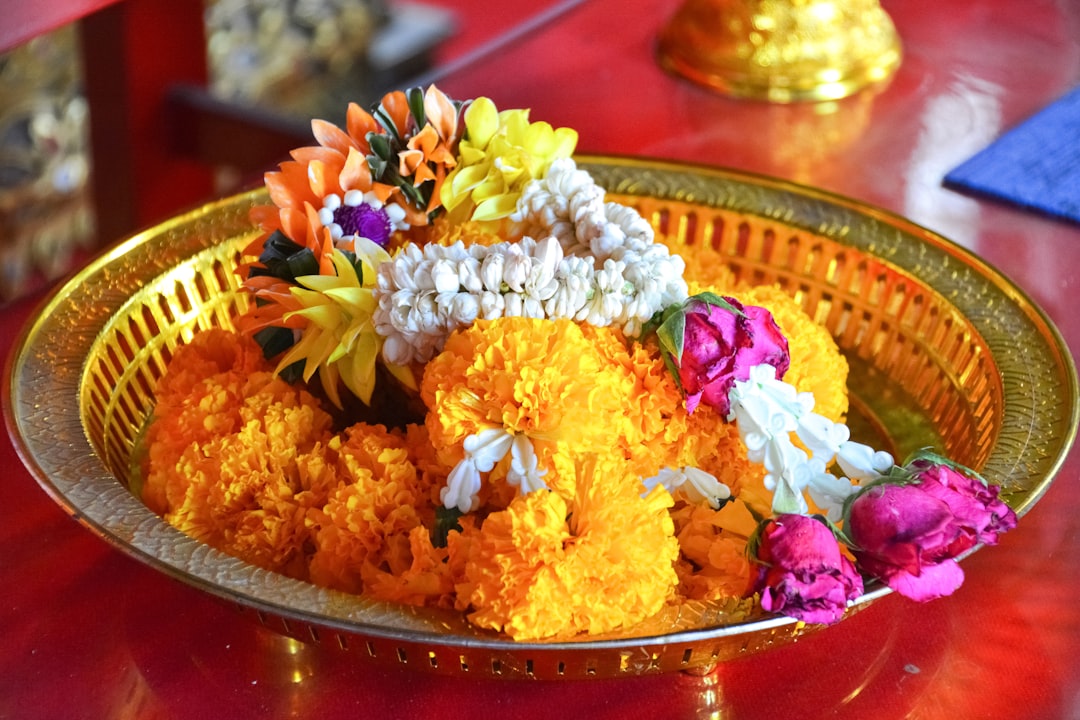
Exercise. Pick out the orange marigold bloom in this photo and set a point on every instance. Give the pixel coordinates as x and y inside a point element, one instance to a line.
<point>712,561</point>
<point>367,517</point>
<point>247,487</point>
<point>199,398</point>
<point>543,379</point>
<point>546,567</point>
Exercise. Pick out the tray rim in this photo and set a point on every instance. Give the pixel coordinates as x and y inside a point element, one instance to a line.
<point>48,304</point>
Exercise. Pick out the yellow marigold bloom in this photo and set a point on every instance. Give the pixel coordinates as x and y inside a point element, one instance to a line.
<point>367,517</point>
<point>500,153</point>
<point>340,340</point>
<point>712,561</point>
<point>541,379</point>
<point>661,433</point>
<point>468,233</point>
<point>546,567</point>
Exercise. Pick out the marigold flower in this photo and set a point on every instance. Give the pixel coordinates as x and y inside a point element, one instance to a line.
<point>542,379</point>
<point>365,523</point>
<point>712,560</point>
<point>547,567</point>
<point>246,481</point>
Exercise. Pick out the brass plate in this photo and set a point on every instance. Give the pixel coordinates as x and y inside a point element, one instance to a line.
<point>943,348</point>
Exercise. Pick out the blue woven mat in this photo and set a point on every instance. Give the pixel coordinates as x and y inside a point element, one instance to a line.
<point>1035,165</point>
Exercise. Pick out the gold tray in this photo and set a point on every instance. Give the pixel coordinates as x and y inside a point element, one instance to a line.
<point>944,351</point>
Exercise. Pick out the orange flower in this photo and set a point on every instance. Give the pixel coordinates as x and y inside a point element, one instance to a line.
<point>542,381</point>
<point>546,567</point>
<point>712,562</point>
<point>368,516</point>
<point>426,147</point>
<point>246,465</point>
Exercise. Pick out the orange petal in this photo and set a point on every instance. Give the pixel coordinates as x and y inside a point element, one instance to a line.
<point>409,161</point>
<point>358,123</point>
<point>294,224</point>
<point>440,112</point>
<point>396,106</point>
<point>266,217</point>
<point>331,136</point>
<point>355,175</point>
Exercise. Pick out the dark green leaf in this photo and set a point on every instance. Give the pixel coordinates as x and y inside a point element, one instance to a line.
<point>302,263</point>
<point>380,146</point>
<point>384,119</point>
<point>416,105</point>
<point>274,341</point>
<point>446,520</point>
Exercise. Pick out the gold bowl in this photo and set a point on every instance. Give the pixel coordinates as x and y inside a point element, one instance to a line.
<point>944,351</point>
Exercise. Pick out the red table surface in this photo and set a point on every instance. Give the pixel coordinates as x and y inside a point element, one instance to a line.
<point>87,632</point>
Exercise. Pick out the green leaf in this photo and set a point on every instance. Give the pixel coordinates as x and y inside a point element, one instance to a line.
<point>416,105</point>
<point>671,335</point>
<point>671,367</point>
<point>301,264</point>
<point>383,119</point>
<point>380,145</point>
<point>714,300</point>
<point>274,341</point>
<point>446,520</point>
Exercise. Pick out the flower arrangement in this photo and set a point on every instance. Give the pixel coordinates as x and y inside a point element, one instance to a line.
<point>528,407</point>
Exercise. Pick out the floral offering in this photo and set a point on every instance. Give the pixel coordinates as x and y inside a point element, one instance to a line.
<point>465,379</point>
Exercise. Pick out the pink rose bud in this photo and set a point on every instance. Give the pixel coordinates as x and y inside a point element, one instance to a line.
<point>720,347</point>
<point>803,574</point>
<point>909,535</point>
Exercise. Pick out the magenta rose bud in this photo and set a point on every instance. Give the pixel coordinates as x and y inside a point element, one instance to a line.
<point>802,573</point>
<point>720,347</point>
<point>909,535</point>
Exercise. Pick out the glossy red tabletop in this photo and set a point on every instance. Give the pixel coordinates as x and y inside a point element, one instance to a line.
<point>87,632</point>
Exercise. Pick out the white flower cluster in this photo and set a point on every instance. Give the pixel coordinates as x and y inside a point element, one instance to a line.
<point>620,278</point>
<point>642,276</point>
<point>767,411</point>
<point>484,450</point>
<point>696,484</point>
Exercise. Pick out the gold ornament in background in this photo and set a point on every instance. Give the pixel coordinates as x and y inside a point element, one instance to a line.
<point>45,210</point>
<point>298,57</point>
<point>781,50</point>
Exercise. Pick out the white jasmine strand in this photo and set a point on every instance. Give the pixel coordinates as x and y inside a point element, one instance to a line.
<point>425,294</point>
<point>696,484</point>
<point>484,450</point>
<point>767,412</point>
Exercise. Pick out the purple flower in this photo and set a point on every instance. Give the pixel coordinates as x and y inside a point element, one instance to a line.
<point>802,573</point>
<point>720,346</point>
<point>909,534</point>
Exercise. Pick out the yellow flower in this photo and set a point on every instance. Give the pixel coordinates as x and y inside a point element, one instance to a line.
<point>712,562</point>
<point>500,153</point>
<point>340,340</point>
<point>541,379</point>
<point>367,518</point>
<point>547,567</point>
